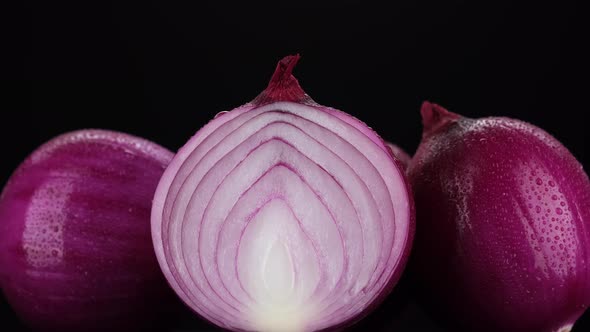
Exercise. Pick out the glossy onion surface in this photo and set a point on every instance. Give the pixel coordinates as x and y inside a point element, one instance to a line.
<point>503,224</point>
<point>75,246</point>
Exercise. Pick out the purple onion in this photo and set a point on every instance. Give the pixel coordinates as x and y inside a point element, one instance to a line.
<point>75,246</point>
<point>503,224</point>
<point>283,215</point>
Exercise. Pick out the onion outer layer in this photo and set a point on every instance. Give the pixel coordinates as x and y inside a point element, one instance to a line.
<point>403,157</point>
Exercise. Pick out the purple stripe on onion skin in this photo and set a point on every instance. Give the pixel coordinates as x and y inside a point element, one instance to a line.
<point>75,246</point>
<point>503,225</point>
<point>202,197</point>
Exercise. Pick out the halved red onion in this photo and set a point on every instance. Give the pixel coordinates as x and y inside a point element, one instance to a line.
<point>283,215</point>
<point>75,246</point>
<point>503,212</point>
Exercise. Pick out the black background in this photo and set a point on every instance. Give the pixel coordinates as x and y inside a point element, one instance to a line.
<point>161,69</point>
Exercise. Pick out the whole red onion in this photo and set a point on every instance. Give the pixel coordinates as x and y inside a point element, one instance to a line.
<point>283,215</point>
<point>503,224</point>
<point>75,246</point>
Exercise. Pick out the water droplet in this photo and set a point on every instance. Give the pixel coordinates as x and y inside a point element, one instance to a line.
<point>538,209</point>
<point>556,238</point>
<point>551,183</point>
<point>539,181</point>
<point>554,197</point>
<point>562,203</point>
<point>559,211</point>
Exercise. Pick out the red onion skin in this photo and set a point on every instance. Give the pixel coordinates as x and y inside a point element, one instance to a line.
<point>399,153</point>
<point>75,246</point>
<point>284,93</point>
<point>503,212</point>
